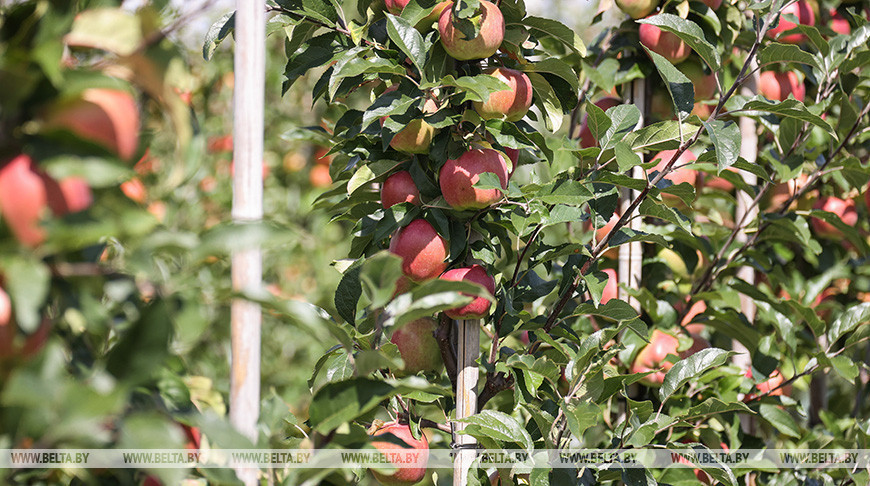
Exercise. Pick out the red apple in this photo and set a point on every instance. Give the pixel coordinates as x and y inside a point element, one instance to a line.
<point>681,174</point>
<point>488,39</point>
<point>434,15</point>
<point>417,135</point>
<point>194,437</point>
<point>23,199</point>
<point>223,143</point>
<point>423,251</point>
<point>75,194</point>
<point>403,475</point>
<point>479,307</point>
<point>395,7</point>
<point>587,140</point>
<point>108,117</point>
<point>844,208</point>
<point>777,86</point>
<point>601,232</point>
<point>697,308</point>
<point>805,16</point>
<point>319,176</point>
<point>135,190</point>
<point>458,176</point>
<point>511,104</point>
<point>714,4</point>
<point>775,380</point>
<point>399,188</point>
<point>418,347</point>
<point>611,288</point>
<point>664,43</point>
<point>704,84</point>
<point>839,24</point>
<point>637,9</point>
<point>5,308</point>
<point>652,357</point>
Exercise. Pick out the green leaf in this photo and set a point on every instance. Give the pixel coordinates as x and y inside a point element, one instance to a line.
<point>690,33</point>
<point>555,67</point>
<point>714,406</point>
<point>27,282</point>
<point>678,85</point>
<point>541,27</point>
<point>564,192</point>
<point>595,283</point>
<point>379,275</point>
<point>143,347</point>
<point>580,416</point>
<point>779,419</point>
<point>665,135</point>
<point>340,402</point>
<point>776,53</point>
<point>407,39</point>
<point>108,29</point>
<point>547,102</point>
<point>624,119</point>
<point>849,320</point>
<point>477,88</point>
<point>791,108</point>
<point>726,142</point>
<point>649,207</point>
<point>499,426</point>
<point>597,121</point>
<point>217,33</point>
<point>625,157</point>
<point>690,368</point>
<point>348,292</point>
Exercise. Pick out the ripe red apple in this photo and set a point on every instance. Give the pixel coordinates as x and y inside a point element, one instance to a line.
<point>513,103</point>
<point>108,117</point>
<point>319,176</point>
<point>5,308</point>
<point>194,437</point>
<point>399,188</point>
<point>135,190</point>
<point>417,135</point>
<point>75,196</point>
<point>777,86</point>
<point>418,347</point>
<point>403,475</point>
<point>637,9</point>
<point>23,199</point>
<point>697,308</point>
<point>423,251</point>
<point>611,288</point>
<point>218,144</point>
<point>479,307</point>
<point>839,24</point>
<point>652,357</point>
<point>704,84</point>
<point>587,140</point>
<point>681,174</point>
<point>805,16</point>
<point>714,4</point>
<point>775,379</point>
<point>844,208</point>
<point>458,176</point>
<point>395,7</point>
<point>488,39</point>
<point>664,43</point>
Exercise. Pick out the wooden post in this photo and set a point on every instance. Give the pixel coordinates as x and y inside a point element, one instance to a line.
<point>468,337</point>
<point>246,317</point>
<point>749,151</point>
<point>631,255</point>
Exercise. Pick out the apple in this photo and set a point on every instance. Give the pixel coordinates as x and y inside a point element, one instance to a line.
<point>322,157</point>
<point>479,307</point>
<point>418,347</point>
<point>423,251</point>
<point>774,380</point>
<point>601,232</point>
<point>664,43</point>
<point>844,208</point>
<point>5,308</point>
<point>399,188</point>
<point>194,437</point>
<point>395,7</point>
<point>653,356</point>
<point>704,84</point>
<point>784,191</point>
<point>134,189</point>
<point>23,199</point>
<point>319,176</point>
<point>697,308</point>
<point>839,24</point>
<point>805,16</point>
<point>108,117</point>
<point>513,103</point>
<point>719,183</point>
<point>457,178</point>
<point>434,15</point>
<point>223,143</point>
<point>681,174</point>
<point>587,140</point>
<point>611,288</point>
<point>778,86</point>
<point>714,4</point>
<point>403,475</point>
<point>485,44</point>
<point>637,9</point>
<point>417,135</point>
<point>75,196</point>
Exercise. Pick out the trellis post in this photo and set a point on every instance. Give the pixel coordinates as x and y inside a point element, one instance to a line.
<point>246,316</point>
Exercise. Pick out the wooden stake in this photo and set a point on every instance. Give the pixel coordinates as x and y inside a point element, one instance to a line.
<point>466,396</point>
<point>631,255</point>
<point>246,317</point>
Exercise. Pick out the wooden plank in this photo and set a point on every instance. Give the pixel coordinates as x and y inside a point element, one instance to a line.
<point>468,337</point>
